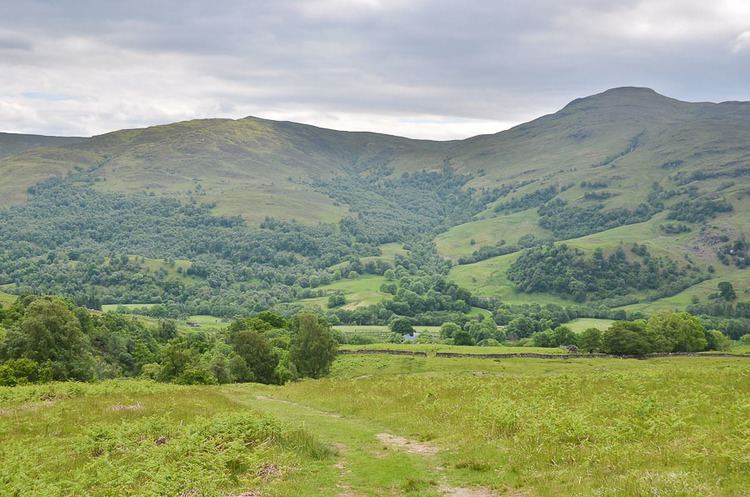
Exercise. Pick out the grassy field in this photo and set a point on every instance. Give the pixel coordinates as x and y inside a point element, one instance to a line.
<point>115,307</point>
<point>456,242</point>
<point>115,437</point>
<point>488,278</point>
<point>361,291</point>
<point>431,349</point>
<point>394,426</point>
<point>582,324</point>
<point>6,298</point>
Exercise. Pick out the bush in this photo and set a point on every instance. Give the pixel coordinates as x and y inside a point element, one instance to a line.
<point>716,340</point>
<point>22,371</point>
<point>447,330</point>
<point>462,337</point>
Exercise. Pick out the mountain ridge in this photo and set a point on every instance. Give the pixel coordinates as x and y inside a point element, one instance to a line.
<point>605,172</point>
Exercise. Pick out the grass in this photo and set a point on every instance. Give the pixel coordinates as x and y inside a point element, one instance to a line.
<point>488,278</point>
<point>431,349</point>
<point>548,428</point>
<point>361,291</point>
<point>588,427</point>
<point>6,298</point>
<point>115,307</point>
<point>582,324</point>
<point>112,438</point>
<point>456,242</point>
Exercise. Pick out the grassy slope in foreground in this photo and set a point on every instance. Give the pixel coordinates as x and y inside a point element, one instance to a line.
<point>542,428</point>
<point>608,427</point>
<point>163,440</point>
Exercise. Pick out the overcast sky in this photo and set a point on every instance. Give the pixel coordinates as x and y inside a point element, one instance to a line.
<point>421,68</point>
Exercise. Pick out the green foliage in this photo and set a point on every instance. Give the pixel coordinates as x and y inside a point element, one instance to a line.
<point>560,336</point>
<point>571,222</point>
<point>402,326</point>
<point>716,340</point>
<point>51,335</point>
<point>629,338</point>
<point>674,228</point>
<point>528,200</point>
<point>462,337</point>
<point>591,340</point>
<point>22,371</point>
<point>564,271</point>
<point>698,210</point>
<point>257,354</point>
<point>681,331</point>
<point>336,300</point>
<point>726,291</point>
<point>313,348</point>
<point>664,332</point>
<point>49,338</point>
<point>447,330</point>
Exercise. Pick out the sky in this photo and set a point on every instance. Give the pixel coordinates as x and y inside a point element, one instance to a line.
<point>419,68</point>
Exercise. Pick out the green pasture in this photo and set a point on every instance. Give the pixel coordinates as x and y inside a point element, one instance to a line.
<point>394,426</point>
<point>360,291</point>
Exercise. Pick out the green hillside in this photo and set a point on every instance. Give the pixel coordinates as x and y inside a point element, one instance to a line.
<point>15,143</point>
<point>655,187</point>
<point>250,167</point>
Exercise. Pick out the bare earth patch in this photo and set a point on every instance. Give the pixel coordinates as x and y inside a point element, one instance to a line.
<point>410,446</point>
<point>29,407</point>
<point>269,472</point>
<point>127,407</point>
<point>448,491</point>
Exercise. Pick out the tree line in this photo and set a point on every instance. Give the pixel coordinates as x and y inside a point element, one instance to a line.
<point>49,338</point>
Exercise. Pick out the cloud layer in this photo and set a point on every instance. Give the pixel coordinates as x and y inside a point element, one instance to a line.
<point>429,69</point>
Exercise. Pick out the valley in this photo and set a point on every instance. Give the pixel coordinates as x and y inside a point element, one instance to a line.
<point>247,308</point>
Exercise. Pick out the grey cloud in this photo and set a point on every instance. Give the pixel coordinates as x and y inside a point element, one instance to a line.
<point>362,63</point>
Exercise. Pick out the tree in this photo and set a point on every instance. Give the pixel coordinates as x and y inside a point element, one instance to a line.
<point>521,327</point>
<point>273,319</point>
<point>167,330</point>
<point>402,326</point>
<point>717,340</point>
<point>562,335</point>
<point>681,331</point>
<point>448,330</point>
<point>462,337</point>
<point>726,291</point>
<point>628,338</point>
<point>313,348</point>
<point>591,340</point>
<point>336,300</point>
<point>257,354</point>
<point>51,334</point>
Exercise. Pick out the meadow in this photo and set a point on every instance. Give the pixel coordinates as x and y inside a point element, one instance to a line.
<point>395,426</point>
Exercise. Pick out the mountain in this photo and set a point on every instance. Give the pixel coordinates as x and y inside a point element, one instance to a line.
<point>626,166</point>
<point>243,165</point>
<point>14,143</point>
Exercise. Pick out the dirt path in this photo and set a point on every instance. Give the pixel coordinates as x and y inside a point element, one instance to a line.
<point>370,460</point>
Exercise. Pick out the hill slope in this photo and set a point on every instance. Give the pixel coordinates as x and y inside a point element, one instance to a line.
<point>627,166</point>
